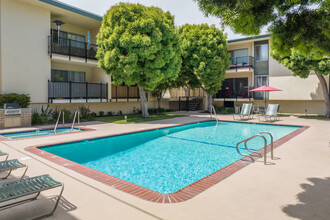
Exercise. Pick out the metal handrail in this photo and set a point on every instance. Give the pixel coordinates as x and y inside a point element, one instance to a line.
<point>215,114</point>
<point>58,119</point>
<point>74,119</point>
<point>265,146</point>
<point>271,143</point>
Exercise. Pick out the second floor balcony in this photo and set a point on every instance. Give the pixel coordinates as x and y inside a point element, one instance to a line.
<point>71,48</point>
<point>241,63</point>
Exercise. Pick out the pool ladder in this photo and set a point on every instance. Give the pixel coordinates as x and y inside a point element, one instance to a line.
<point>265,146</point>
<point>215,114</point>
<point>58,119</point>
<point>74,119</point>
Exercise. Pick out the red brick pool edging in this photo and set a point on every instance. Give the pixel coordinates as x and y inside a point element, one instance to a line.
<point>3,138</point>
<point>179,196</point>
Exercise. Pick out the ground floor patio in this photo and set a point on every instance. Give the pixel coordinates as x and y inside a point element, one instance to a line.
<point>295,186</point>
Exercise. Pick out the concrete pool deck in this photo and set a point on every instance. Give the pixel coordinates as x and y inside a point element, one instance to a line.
<point>296,186</point>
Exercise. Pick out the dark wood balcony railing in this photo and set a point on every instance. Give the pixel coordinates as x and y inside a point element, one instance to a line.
<point>125,93</point>
<point>241,62</point>
<point>77,90</point>
<point>71,48</point>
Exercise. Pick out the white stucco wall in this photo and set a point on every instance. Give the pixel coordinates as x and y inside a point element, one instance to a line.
<point>293,88</point>
<point>25,65</point>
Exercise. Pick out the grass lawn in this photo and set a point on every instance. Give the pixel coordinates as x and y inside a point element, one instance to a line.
<point>314,117</point>
<point>131,119</point>
<point>307,117</point>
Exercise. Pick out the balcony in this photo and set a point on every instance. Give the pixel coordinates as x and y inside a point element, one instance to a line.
<point>245,63</point>
<point>77,92</point>
<point>71,48</point>
<point>230,94</point>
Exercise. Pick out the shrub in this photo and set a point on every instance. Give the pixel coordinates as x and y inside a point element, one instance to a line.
<point>68,117</point>
<point>224,110</point>
<point>101,113</point>
<point>93,114</point>
<point>157,110</point>
<point>23,100</point>
<point>55,114</point>
<point>110,113</point>
<point>39,119</point>
<point>46,113</point>
<point>84,112</point>
<point>230,110</point>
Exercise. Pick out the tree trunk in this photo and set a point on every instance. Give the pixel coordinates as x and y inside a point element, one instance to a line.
<point>325,94</point>
<point>209,100</point>
<point>144,107</point>
<point>159,99</point>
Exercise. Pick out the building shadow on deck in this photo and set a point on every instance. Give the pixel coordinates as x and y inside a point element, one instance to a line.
<point>314,201</point>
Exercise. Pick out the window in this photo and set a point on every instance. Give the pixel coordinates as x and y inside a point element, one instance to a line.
<point>67,76</point>
<point>261,81</point>
<point>261,52</point>
<point>234,87</point>
<point>239,57</point>
<point>77,40</point>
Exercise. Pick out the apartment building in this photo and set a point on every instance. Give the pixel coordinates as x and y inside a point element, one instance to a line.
<point>252,67</point>
<point>47,50</point>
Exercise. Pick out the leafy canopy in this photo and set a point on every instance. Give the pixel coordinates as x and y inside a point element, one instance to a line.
<point>302,24</point>
<point>205,57</point>
<point>302,65</point>
<point>139,45</point>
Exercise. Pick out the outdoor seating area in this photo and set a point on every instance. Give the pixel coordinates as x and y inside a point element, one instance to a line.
<point>11,193</point>
<point>157,110</point>
<point>248,111</point>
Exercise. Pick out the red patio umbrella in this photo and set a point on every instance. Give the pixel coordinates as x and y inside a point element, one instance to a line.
<point>264,89</point>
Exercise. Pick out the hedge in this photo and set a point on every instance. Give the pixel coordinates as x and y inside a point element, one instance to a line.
<point>22,99</point>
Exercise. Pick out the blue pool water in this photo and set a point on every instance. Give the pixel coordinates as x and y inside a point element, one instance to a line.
<point>169,159</point>
<point>36,133</point>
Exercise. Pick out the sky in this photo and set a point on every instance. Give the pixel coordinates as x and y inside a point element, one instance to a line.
<point>184,11</point>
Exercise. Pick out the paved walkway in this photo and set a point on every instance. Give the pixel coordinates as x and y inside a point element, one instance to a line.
<point>297,186</point>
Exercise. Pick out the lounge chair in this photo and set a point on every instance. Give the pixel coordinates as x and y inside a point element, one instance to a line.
<point>4,154</point>
<point>271,113</point>
<point>245,112</point>
<point>10,165</point>
<point>28,186</point>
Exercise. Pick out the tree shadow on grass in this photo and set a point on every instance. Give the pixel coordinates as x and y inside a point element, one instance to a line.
<point>314,201</point>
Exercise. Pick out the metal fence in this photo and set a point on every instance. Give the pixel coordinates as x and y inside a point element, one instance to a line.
<point>77,90</point>
<point>71,48</point>
<point>242,62</point>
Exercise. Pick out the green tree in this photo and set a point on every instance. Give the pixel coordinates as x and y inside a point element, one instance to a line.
<point>303,66</point>
<point>205,58</point>
<point>302,24</point>
<point>300,30</point>
<point>161,88</point>
<point>139,45</point>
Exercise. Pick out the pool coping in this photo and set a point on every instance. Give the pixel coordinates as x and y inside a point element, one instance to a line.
<point>181,195</point>
<point>3,138</point>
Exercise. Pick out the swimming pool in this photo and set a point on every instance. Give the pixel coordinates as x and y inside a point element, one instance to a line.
<point>37,133</point>
<point>168,159</point>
